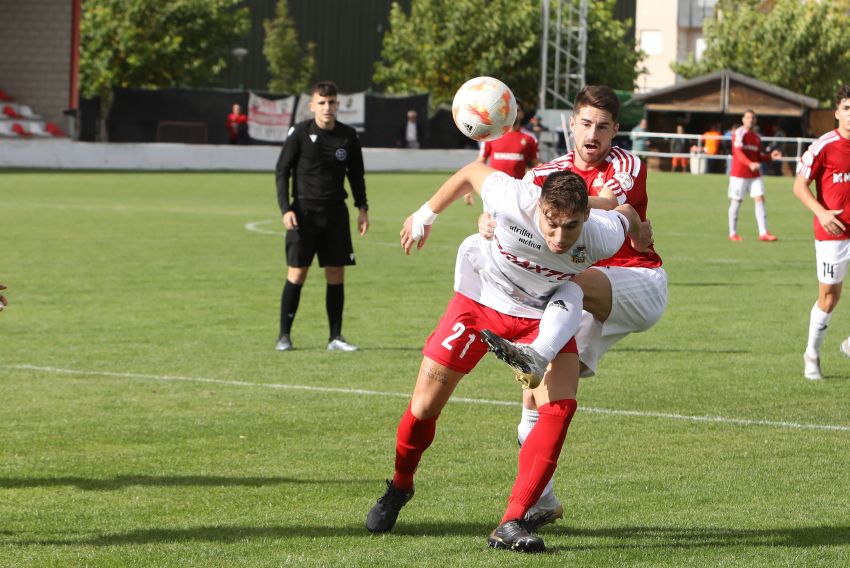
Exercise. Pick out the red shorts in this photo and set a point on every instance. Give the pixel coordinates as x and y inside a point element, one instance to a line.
<point>456,343</point>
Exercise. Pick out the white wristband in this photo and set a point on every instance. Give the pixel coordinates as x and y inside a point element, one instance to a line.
<point>423,216</point>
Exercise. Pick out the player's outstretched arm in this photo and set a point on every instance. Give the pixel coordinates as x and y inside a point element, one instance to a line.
<point>828,218</point>
<point>605,199</point>
<point>640,232</point>
<point>417,227</point>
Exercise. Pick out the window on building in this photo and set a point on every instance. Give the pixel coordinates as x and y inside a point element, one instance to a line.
<point>651,42</point>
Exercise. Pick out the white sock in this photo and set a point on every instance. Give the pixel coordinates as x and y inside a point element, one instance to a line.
<point>529,419</point>
<point>734,206</point>
<point>761,217</point>
<point>560,320</point>
<point>818,322</point>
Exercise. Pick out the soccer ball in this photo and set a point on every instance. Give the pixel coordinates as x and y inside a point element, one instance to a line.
<point>484,108</point>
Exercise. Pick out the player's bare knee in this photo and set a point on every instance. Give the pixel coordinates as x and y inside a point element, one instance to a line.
<point>297,274</point>
<point>335,274</point>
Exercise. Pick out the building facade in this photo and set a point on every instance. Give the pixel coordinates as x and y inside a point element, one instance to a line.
<point>668,31</point>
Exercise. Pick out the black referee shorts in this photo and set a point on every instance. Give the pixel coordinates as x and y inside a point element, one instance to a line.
<point>321,230</point>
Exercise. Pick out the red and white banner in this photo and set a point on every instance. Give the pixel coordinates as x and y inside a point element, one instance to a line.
<point>269,120</point>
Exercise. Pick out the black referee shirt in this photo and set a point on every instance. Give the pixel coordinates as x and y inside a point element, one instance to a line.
<point>318,160</point>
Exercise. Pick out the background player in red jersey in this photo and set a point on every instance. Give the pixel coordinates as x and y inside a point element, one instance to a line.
<point>745,176</point>
<point>513,153</point>
<point>827,162</point>
<point>624,294</point>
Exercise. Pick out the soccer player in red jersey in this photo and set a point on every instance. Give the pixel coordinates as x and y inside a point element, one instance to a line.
<point>513,152</point>
<point>745,176</point>
<point>624,294</point>
<point>827,163</point>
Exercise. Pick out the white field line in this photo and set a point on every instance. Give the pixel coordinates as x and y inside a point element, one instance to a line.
<point>592,410</point>
<point>256,227</point>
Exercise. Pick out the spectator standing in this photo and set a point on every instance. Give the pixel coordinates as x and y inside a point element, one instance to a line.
<point>680,146</point>
<point>412,133</point>
<point>711,139</point>
<point>827,163</point>
<point>639,143</point>
<point>513,152</point>
<point>237,125</point>
<point>319,153</point>
<point>536,127</point>
<point>745,176</point>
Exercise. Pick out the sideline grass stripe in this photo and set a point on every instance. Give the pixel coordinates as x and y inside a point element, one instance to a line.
<point>592,410</point>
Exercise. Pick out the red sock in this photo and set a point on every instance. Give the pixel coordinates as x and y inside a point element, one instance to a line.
<point>412,439</point>
<point>538,456</point>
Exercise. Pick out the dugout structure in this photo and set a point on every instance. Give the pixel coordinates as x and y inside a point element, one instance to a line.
<point>723,96</point>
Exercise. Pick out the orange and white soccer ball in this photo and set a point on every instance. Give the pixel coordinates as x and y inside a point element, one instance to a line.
<point>484,108</point>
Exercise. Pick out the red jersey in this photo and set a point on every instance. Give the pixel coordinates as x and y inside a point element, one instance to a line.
<point>511,153</point>
<point>746,148</point>
<point>827,162</point>
<point>233,122</point>
<point>624,174</point>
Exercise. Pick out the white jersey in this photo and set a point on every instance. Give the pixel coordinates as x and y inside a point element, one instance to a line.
<point>515,273</point>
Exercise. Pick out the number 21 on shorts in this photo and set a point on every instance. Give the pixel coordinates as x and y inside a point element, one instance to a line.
<point>458,329</point>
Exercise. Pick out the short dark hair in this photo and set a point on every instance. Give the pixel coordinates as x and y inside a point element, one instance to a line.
<point>325,89</point>
<point>598,96</point>
<point>564,191</point>
<point>843,93</point>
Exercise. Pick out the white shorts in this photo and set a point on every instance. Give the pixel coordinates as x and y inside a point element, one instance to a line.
<point>739,186</point>
<point>638,300</point>
<point>832,258</point>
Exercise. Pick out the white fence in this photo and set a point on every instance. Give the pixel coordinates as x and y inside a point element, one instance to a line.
<point>65,154</point>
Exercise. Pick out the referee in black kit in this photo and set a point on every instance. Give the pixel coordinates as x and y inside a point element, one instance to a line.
<point>317,155</point>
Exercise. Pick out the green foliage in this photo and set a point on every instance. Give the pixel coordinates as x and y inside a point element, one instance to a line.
<point>612,58</point>
<point>442,43</point>
<point>798,45</point>
<point>290,66</point>
<point>154,44</point>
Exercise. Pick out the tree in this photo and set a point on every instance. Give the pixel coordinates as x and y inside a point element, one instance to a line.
<point>154,44</point>
<point>442,43</point>
<point>291,67</point>
<point>798,45</point>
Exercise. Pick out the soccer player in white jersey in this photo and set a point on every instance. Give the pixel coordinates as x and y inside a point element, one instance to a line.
<point>624,294</point>
<point>544,237</point>
<point>827,163</point>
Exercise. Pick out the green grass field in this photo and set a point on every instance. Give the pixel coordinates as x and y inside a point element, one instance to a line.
<point>147,420</point>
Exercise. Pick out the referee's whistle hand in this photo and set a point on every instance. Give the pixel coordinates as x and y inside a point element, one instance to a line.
<point>290,221</point>
<point>362,222</point>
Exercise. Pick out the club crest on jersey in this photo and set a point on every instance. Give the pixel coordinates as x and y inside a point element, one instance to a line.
<point>580,255</point>
<point>625,180</point>
<point>341,154</point>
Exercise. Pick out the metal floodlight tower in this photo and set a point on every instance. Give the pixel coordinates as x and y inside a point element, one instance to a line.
<point>563,52</point>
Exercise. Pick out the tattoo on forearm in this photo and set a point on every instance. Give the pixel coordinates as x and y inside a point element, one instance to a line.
<point>436,375</point>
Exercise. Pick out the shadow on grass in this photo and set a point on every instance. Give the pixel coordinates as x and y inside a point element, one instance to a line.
<point>685,538</point>
<point>639,537</point>
<point>123,481</point>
